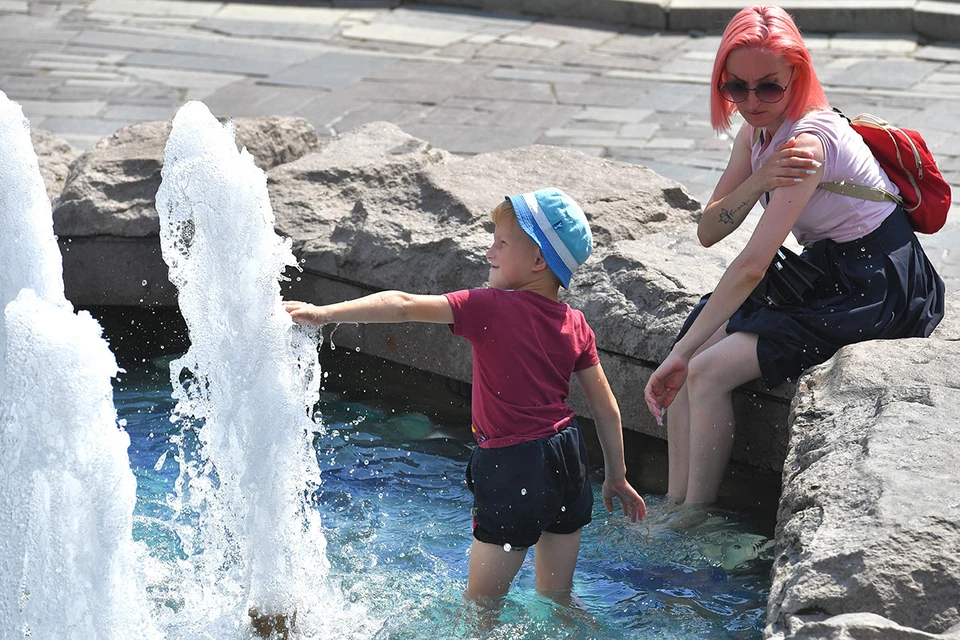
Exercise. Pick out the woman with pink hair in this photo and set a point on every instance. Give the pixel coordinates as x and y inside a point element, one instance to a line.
<point>874,279</point>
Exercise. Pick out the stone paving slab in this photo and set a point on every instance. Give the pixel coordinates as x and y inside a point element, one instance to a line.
<point>14,6</point>
<point>271,30</point>
<point>329,70</point>
<point>180,8</point>
<point>257,13</point>
<point>418,36</point>
<point>192,62</point>
<point>477,77</point>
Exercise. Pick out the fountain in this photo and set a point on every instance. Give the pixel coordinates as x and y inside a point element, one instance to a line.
<point>68,562</point>
<point>248,377</point>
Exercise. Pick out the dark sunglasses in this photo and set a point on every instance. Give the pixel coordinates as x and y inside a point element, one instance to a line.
<point>769,92</point>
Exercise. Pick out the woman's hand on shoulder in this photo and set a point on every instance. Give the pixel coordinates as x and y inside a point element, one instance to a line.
<point>789,165</point>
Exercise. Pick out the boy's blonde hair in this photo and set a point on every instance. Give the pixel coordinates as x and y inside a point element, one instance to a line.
<point>505,211</point>
<point>501,212</point>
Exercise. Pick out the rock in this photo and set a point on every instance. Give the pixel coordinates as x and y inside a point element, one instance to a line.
<point>55,156</point>
<point>111,188</point>
<point>869,517</point>
<point>379,207</point>
<point>858,626</point>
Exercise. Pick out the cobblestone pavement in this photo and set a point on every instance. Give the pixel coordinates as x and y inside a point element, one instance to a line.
<point>468,82</point>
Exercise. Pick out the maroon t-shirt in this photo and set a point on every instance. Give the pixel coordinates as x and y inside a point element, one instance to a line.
<point>525,348</point>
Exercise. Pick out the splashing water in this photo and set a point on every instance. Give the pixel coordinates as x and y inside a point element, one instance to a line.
<point>67,494</point>
<point>30,257</point>
<point>251,539</point>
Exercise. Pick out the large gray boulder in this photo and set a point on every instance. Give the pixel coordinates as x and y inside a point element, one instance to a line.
<point>869,517</point>
<point>382,209</point>
<point>378,209</point>
<point>862,626</point>
<point>111,188</point>
<point>55,155</point>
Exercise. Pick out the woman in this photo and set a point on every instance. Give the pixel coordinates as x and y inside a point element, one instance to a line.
<point>876,281</point>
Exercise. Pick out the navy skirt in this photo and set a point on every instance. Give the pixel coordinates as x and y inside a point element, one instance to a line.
<point>879,286</point>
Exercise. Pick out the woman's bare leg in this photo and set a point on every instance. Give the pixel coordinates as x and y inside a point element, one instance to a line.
<point>678,447</point>
<point>678,433</point>
<point>711,379</point>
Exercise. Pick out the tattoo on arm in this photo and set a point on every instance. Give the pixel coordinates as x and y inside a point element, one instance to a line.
<point>726,216</point>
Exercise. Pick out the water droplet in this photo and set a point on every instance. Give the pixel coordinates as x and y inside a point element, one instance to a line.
<point>357,349</point>
<point>507,547</point>
<point>562,509</point>
<point>143,283</point>
<point>523,492</point>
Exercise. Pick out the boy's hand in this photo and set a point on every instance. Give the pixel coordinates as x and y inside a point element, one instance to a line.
<point>304,313</point>
<point>631,502</point>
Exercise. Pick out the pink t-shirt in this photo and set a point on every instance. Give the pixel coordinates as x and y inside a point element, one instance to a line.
<point>846,158</point>
<point>525,348</point>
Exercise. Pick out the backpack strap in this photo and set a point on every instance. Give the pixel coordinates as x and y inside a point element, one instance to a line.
<point>861,192</point>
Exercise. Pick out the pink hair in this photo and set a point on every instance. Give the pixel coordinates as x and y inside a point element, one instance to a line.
<point>771,29</point>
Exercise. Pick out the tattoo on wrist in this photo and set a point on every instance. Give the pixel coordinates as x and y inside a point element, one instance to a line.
<point>726,216</point>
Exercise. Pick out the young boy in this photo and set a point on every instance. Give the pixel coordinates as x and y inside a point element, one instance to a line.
<point>529,472</point>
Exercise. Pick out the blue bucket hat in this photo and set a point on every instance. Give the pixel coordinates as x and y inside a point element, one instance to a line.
<point>557,224</point>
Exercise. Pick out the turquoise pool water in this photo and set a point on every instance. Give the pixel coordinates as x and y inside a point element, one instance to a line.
<point>396,514</point>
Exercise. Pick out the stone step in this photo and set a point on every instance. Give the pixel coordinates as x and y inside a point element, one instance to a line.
<point>932,20</point>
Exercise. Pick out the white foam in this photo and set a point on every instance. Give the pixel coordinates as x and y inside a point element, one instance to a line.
<point>248,379</point>
<point>68,563</point>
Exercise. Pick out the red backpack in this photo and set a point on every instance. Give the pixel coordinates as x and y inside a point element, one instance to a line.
<point>907,161</point>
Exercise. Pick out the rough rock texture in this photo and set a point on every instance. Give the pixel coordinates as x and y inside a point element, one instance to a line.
<point>55,156</point>
<point>384,209</point>
<point>863,626</point>
<point>377,209</point>
<point>111,188</point>
<point>869,517</point>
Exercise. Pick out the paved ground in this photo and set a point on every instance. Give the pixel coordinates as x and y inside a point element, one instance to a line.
<point>469,82</point>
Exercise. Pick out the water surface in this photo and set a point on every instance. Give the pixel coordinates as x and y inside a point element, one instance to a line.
<point>396,515</point>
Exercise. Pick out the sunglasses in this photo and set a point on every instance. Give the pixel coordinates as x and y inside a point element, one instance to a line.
<point>770,92</point>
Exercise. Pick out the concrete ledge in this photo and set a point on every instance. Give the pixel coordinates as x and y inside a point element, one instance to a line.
<point>938,20</point>
<point>928,19</point>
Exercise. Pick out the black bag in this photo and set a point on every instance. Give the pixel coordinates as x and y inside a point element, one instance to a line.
<point>789,280</point>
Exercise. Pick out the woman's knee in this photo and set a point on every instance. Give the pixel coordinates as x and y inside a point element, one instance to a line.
<point>707,374</point>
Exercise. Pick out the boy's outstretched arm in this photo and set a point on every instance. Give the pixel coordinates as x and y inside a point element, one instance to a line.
<point>387,306</point>
<point>606,413</point>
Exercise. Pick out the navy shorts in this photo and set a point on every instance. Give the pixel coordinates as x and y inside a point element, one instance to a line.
<point>876,287</point>
<point>525,489</point>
